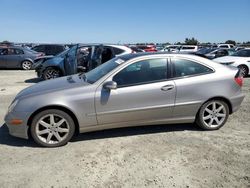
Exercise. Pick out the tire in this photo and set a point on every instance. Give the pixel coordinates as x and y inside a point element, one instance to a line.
<point>52,128</point>
<point>26,65</point>
<point>244,70</point>
<point>212,115</point>
<point>51,73</point>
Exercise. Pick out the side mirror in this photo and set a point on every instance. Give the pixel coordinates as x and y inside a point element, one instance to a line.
<point>110,85</point>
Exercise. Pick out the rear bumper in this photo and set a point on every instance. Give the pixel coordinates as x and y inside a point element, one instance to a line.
<point>236,101</point>
<point>20,130</point>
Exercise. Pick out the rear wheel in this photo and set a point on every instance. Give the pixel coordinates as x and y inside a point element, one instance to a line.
<point>244,70</point>
<point>52,128</point>
<point>26,65</point>
<point>51,73</point>
<point>212,115</point>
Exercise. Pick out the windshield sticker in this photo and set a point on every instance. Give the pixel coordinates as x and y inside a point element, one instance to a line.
<point>119,61</point>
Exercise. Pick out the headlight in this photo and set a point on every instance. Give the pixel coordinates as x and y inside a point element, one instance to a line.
<point>12,106</point>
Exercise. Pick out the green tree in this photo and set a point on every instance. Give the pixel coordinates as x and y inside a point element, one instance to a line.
<point>191,41</point>
<point>230,42</point>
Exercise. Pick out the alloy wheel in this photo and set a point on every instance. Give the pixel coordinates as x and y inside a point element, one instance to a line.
<point>51,74</point>
<point>214,114</point>
<point>26,65</point>
<point>244,70</point>
<point>52,129</point>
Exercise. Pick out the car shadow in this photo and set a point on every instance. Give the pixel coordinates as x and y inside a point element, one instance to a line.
<point>33,80</point>
<point>133,131</point>
<point>6,139</point>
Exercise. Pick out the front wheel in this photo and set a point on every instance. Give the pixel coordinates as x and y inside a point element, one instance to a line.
<point>212,115</point>
<point>52,128</point>
<point>51,73</point>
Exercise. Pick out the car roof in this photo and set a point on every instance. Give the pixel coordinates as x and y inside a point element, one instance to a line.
<point>127,57</point>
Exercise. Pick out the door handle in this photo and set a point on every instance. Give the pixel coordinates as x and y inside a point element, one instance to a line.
<point>167,87</point>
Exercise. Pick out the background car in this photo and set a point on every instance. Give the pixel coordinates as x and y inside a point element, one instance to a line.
<point>148,48</point>
<point>136,49</point>
<point>49,49</point>
<point>130,90</point>
<point>171,48</point>
<point>240,59</point>
<point>188,48</point>
<point>17,57</point>
<point>212,53</point>
<point>80,58</point>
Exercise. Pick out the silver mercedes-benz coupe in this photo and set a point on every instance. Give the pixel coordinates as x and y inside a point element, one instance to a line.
<point>131,90</point>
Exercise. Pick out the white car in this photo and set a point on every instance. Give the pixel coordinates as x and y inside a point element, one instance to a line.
<point>224,46</point>
<point>240,59</point>
<point>171,48</point>
<point>189,48</point>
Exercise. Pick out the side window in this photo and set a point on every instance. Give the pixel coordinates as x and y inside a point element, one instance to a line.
<point>19,51</point>
<point>142,72</point>
<point>117,51</point>
<point>11,51</point>
<point>184,67</point>
<point>4,51</point>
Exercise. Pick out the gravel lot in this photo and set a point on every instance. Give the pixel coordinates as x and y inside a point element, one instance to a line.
<point>153,156</point>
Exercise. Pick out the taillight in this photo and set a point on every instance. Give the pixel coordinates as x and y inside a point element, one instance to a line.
<point>239,78</point>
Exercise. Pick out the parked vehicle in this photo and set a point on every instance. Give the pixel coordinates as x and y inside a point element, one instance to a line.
<point>49,49</point>
<point>240,59</point>
<point>136,49</point>
<point>17,57</point>
<point>80,58</point>
<point>212,53</point>
<point>188,48</point>
<point>130,90</point>
<point>224,46</point>
<point>171,48</point>
<point>148,48</point>
<point>239,48</point>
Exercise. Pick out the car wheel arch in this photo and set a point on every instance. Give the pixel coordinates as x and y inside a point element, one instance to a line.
<point>57,107</point>
<point>218,98</point>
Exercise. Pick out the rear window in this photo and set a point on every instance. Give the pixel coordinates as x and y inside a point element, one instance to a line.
<point>183,67</point>
<point>188,47</point>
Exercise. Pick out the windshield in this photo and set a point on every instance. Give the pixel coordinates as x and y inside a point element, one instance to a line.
<point>242,53</point>
<point>100,71</point>
<point>62,54</point>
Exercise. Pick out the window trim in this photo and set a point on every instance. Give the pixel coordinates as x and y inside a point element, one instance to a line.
<point>144,83</point>
<point>173,73</point>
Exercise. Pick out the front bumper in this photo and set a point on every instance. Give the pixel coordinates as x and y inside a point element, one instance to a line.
<point>20,130</point>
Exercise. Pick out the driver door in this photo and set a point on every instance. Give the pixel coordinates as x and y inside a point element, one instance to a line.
<point>143,94</point>
<point>70,61</point>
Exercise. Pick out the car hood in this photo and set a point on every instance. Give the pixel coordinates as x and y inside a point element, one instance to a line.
<point>227,59</point>
<point>53,85</point>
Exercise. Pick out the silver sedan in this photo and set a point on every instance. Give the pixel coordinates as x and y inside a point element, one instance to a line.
<point>132,90</point>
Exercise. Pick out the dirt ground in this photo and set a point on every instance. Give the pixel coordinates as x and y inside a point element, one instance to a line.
<point>152,156</point>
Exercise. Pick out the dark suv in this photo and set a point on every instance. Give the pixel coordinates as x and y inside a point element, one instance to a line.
<point>49,49</point>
